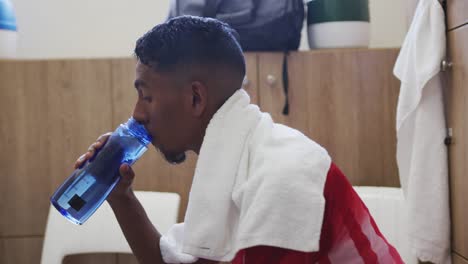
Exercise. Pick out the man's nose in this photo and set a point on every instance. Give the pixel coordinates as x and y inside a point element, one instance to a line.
<point>139,114</point>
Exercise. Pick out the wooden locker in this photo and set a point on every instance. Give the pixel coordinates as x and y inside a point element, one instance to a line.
<point>22,250</point>
<point>272,96</point>
<point>343,99</point>
<point>251,77</point>
<point>457,259</point>
<point>457,13</point>
<point>102,258</point>
<point>458,121</point>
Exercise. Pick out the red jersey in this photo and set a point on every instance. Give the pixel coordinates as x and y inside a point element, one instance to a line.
<point>349,233</point>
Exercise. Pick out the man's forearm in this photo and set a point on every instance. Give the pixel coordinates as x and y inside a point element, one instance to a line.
<point>140,233</point>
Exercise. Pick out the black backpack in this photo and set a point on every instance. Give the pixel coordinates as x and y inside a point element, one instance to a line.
<point>263,25</point>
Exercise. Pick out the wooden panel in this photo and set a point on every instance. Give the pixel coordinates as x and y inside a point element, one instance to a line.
<point>126,259</point>
<point>271,91</point>
<point>457,13</point>
<point>130,259</point>
<point>2,251</point>
<point>79,99</point>
<point>457,259</point>
<point>346,101</point>
<point>23,137</point>
<point>28,250</point>
<point>271,95</point>
<point>57,109</point>
<point>25,250</point>
<point>90,259</point>
<point>153,172</point>
<point>458,121</point>
<point>124,94</point>
<point>252,77</point>
<point>352,105</point>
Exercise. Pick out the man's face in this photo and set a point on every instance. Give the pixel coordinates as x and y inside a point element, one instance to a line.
<point>161,109</point>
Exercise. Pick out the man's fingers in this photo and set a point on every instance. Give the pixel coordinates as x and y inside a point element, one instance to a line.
<point>82,159</point>
<point>79,161</point>
<point>92,150</point>
<point>103,138</point>
<point>97,144</point>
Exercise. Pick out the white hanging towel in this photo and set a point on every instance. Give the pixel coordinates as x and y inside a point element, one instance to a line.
<point>421,129</point>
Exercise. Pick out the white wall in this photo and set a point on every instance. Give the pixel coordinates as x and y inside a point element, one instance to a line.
<point>388,22</point>
<point>109,28</point>
<point>85,28</point>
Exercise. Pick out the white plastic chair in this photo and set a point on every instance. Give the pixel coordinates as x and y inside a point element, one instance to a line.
<point>388,208</point>
<point>101,232</point>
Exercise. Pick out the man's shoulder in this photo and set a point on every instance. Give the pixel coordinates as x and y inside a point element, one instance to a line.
<point>274,137</point>
<point>284,148</point>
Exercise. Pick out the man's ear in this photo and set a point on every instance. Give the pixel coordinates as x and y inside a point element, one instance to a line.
<point>199,98</point>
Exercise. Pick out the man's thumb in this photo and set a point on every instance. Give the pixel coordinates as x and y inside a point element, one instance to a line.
<point>126,172</point>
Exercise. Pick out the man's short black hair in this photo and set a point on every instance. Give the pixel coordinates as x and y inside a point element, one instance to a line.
<point>193,41</point>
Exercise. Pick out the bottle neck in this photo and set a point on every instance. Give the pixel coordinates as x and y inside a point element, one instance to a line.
<point>138,131</point>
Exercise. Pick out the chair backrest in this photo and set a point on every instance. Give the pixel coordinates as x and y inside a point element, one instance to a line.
<point>387,206</point>
<point>102,233</point>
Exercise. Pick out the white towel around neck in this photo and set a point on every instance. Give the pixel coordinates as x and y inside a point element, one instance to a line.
<point>421,129</point>
<point>255,183</point>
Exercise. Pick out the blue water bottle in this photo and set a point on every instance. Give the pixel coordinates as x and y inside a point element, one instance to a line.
<point>88,187</point>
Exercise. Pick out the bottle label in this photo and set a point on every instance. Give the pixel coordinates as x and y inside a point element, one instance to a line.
<point>76,202</point>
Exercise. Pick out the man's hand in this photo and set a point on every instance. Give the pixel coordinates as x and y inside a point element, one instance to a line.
<point>92,150</point>
<point>124,186</point>
<point>140,233</point>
